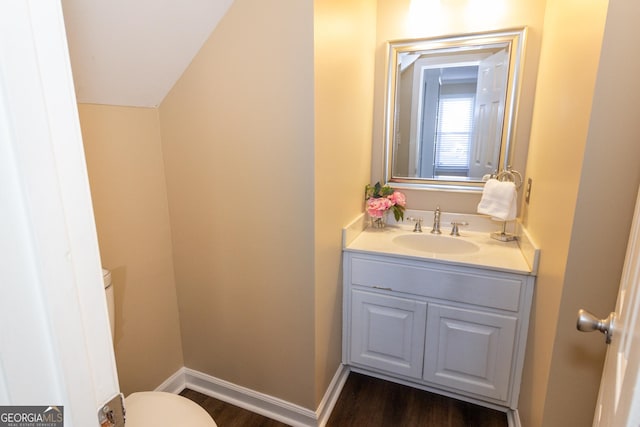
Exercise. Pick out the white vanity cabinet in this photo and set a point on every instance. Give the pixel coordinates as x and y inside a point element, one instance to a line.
<point>452,329</point>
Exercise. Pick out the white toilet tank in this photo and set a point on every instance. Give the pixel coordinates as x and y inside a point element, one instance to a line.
<point>108,290</point>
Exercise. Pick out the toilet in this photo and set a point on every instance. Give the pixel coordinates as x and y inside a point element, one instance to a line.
<point>156,408</point>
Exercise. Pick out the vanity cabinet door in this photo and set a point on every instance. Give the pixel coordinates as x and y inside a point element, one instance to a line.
<point>470,350</point>
<point>388,333</point>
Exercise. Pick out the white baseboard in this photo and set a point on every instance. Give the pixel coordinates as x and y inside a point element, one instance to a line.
<point>254,401</point>
<point>331,395</point>
<point>513,418</point>
<point>175,383</point>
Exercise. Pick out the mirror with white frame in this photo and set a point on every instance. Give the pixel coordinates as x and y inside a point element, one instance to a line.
<point>451,108</point>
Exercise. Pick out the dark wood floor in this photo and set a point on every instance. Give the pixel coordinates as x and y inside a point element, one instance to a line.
<point>370,402</point>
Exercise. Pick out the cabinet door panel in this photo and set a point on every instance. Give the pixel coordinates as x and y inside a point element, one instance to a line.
<point>469,350</point>
<point>388,333</point>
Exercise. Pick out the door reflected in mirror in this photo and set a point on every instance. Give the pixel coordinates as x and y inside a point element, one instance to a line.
<point>451,108</point>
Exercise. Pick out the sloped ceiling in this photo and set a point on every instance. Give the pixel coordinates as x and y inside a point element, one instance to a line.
<point>131,52</point>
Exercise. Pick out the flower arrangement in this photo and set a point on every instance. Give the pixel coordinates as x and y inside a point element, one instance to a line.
<point>379,199</point>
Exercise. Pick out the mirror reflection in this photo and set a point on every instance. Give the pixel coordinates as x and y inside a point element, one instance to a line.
<point>451,106</point>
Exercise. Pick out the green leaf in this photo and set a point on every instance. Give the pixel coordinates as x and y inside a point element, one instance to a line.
<point>398,212</point>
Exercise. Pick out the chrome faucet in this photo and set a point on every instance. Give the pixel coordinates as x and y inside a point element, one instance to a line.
<point>436,221</point>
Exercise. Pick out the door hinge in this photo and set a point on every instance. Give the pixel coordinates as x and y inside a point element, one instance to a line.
<point>113,413</point>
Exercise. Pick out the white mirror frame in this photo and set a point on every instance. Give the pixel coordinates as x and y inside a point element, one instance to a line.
<point>514,39</point>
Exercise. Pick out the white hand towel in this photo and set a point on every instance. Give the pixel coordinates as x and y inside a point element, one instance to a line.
<point>499,200</point>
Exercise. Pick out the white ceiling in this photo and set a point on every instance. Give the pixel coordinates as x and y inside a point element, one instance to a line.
<point>131,52</point>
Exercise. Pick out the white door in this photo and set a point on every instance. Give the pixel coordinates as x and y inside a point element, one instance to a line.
<point>55,343</point>
<point>619,398</point>
<point>489,114</point>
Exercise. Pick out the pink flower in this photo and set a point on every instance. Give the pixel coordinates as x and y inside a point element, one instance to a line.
<point>397,198</point>
<point>376,207</point>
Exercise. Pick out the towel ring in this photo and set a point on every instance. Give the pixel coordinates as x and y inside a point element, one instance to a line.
<point>509,175</point>
<point>514,176</point>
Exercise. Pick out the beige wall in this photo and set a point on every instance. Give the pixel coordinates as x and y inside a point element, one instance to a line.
<point>583,160</point>
<point>126,173</point>
<point>566,78</point>
<point>238,142</point>
<point>266,140</point>
<point>344,59</point>
<point>401,19</point>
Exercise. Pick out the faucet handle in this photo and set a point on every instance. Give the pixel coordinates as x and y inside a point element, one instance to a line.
<point>456,224</point>
<point>418,226</point>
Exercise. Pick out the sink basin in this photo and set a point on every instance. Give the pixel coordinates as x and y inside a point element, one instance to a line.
<point>436,244</point>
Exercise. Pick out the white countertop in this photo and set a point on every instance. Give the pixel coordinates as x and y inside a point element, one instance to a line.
<point>493,254</point>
